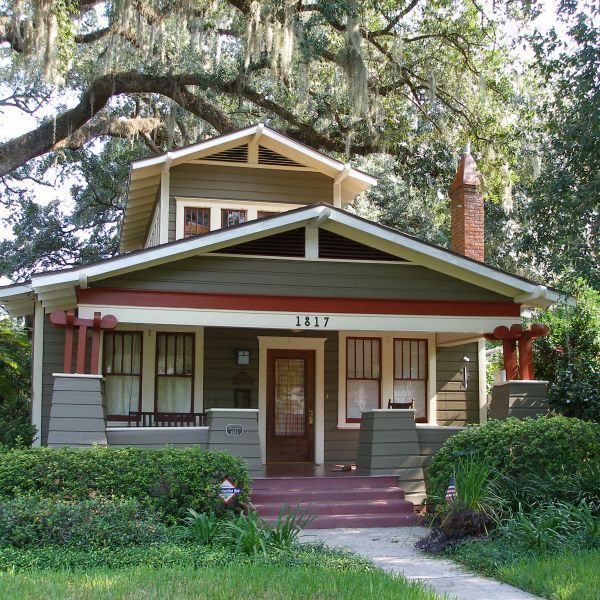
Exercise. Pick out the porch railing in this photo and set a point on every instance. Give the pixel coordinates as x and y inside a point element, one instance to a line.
<point>166,419</point>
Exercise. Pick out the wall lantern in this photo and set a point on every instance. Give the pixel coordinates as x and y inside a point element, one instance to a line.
<point>242,357</point>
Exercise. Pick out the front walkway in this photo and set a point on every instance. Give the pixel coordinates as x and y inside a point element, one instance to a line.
<point>392,549</point>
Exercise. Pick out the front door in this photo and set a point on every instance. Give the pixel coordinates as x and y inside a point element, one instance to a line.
<point>290,405</point>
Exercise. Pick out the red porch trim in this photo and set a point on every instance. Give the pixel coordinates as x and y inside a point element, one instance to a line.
<point>299,304</point>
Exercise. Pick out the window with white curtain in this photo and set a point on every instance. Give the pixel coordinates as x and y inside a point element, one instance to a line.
<point>363,376</point>
<point>410,374</point>
<point>174,372</point>
<point>122,370</point>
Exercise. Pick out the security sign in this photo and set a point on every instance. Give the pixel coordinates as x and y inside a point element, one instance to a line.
<point>228,491</point>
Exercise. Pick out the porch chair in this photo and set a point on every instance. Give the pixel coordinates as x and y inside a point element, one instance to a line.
<point>401,405</point>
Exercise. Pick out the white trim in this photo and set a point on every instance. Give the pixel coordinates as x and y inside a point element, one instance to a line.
<point>37,361</point>
<point>482,364</point>
<point>387,371</point>
<point>215,205</point>
<point>461,342</point>
<point>293,343</point>
<point>311,242</point>
<point>288,320</point>
<point>78,375</point>
<point>165,187</point>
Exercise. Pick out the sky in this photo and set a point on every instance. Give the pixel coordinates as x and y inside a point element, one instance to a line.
<point>13,122</point>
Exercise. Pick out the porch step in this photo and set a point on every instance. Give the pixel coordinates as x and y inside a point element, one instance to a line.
<point>346,501</point>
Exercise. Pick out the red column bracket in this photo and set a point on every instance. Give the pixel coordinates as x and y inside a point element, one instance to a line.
<point>526,349</point>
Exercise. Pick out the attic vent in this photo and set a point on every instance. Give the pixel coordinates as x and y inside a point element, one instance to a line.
<point>332,245</point>
<point>269,157</point>
<point>239,154</point>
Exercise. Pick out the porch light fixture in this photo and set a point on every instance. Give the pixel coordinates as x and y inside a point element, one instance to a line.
<point>242,357</point>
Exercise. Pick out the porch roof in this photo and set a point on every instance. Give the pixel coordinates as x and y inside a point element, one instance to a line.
<point>57,289</point>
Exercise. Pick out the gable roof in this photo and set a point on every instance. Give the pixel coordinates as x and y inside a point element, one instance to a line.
<point>145,173</point>
<point>57,289</point>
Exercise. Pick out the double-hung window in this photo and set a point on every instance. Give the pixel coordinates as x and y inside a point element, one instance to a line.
<point>174,372</point>
<point>196,221</point>
<point>410,374</point>
<point>122,370</point>
<point>231,217</point>
<point>363,376</point>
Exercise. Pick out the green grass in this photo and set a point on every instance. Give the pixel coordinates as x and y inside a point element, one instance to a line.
<point>256,581</point>
<point>565,576</point>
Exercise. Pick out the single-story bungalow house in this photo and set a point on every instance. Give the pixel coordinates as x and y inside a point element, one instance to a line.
<point>249,311</point>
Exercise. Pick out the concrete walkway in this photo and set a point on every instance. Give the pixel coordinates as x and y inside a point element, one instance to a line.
<point>393,549</point>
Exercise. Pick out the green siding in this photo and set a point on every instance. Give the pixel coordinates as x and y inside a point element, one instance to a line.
<point>455,405</point>
<point>301,278</point>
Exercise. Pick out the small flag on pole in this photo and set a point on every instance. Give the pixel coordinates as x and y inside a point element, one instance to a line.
<point>451,491</point>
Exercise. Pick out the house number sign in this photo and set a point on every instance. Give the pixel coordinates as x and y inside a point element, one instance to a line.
<point>234,429</point>
<point>312,321</point>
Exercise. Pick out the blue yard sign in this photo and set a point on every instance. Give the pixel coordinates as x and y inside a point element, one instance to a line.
<point>228,490</point>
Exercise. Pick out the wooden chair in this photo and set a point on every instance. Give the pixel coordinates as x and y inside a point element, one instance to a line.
<point>401,405</point>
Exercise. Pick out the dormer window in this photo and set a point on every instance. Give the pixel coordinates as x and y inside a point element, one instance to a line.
<point>231,217</point>
<point>197,220</point>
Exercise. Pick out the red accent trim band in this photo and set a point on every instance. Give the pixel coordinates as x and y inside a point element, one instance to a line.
<point>298,304</point>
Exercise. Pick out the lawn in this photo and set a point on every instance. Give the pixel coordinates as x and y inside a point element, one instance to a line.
<point>215,583</point>
<point>565,576</point>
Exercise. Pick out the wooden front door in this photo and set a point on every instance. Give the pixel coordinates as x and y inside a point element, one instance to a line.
<point>290,405</point>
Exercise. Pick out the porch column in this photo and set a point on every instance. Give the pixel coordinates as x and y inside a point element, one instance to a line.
<point>519,399</point>
<point>235,430</point>
<point>77,413</point>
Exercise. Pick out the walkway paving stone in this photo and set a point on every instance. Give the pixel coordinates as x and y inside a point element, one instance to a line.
<point>393,549</point>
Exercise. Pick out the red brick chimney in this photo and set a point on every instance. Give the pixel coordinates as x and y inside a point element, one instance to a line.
<point>467,208</point>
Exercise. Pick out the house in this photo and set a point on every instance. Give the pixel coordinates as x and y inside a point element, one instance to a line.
<point>250,311</point>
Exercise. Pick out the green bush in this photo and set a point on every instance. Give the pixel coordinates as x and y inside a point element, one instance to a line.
<point>168,479</point>
<point>95,523</point>
<point>536,460</point>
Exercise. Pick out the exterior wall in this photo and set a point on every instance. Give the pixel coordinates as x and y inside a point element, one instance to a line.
<point>455,405</point>
<point>157,437</point>
<point>237,275</point>
<point>520,399</point>
<point>53,358</point>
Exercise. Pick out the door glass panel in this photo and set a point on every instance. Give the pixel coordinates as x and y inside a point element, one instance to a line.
<point>290,399</point>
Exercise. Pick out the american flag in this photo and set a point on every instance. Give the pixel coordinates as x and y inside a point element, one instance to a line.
<point>451,491</point>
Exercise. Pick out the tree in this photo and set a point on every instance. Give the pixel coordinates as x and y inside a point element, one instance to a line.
<point>559,203</point>
<point>409,79</point>
<point>15,381</point>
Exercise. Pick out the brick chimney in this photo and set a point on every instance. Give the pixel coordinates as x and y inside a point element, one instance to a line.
<point>467,208</point>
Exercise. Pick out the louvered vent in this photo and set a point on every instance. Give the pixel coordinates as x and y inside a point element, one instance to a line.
<point>239,154</point>
<point>332,245</point>
<point>269,157</point>
<point>288,243</point>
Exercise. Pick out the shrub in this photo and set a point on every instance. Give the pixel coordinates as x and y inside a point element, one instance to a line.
<point>559,450</point>
<point>170,480</point>
<point>96,523</point>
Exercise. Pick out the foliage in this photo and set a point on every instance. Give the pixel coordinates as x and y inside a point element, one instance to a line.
<point>246,533</point>
<point>565,576</point>
<point>172,480</point>
<point>554,526</point>
<point>201,528</point>
<point>558,449</point>
<point>558,203</point>
<point>569,357</point>
<point>86,524</point>
<point>285,531</point>
<point>272,581</point>
<point>15,385</point>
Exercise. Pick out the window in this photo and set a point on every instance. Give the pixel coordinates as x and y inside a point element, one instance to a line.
<point>266,213</point>
<point>122,370</point>
<point>410,374</point>
<point>174,372</point>
<point>363,376</point>
<point>196,221</point>
<point>231,217</point>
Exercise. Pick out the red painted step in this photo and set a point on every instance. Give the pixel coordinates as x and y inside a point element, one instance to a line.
<point>352,501</point>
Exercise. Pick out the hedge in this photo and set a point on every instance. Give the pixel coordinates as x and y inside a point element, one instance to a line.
<point>95,523</point>
<point>532,460</point>
<point>170,480</point>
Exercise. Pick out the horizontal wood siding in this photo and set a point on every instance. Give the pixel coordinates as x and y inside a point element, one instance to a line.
<point>243,183</point>
<point>455,405</point>
<point>52,362</point>
<point>294,278</point>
